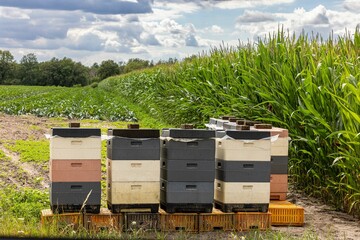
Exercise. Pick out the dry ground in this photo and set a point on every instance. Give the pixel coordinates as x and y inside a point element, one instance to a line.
<point>320,219</point>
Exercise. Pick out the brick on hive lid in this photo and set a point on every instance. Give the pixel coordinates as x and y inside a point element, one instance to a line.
<point>133,126</point>
<point>242,127</point>
<point>227,117</point>
<point>263,126</point>
<point>74,125</point>
<point>187,126</point>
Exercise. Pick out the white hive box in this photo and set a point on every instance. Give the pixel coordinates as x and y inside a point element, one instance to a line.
<point>243,150</point>
<point>133,192</point>
<point>75,148</point>
<point>242,193</point>
<point>134,170</point>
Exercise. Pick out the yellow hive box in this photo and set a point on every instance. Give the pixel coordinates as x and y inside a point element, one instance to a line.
<point>284,213</point>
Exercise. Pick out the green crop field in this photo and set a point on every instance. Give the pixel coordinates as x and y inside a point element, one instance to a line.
<point>73,103</point>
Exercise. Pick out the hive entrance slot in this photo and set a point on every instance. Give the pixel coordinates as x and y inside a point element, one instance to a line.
<point>180,228</point>
<point>192,144</point>
<point>136,143</point>
<point>218,228</point>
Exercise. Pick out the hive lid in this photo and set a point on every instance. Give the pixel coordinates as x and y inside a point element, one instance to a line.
<point>247,134</point>
<point>76,132</point>
<point>135,133</point>
<point>187,133</point>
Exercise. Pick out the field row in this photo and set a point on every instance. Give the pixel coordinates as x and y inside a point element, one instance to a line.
<point>72,103</point>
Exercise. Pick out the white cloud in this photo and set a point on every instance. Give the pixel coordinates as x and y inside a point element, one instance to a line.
<point>250,16</point>
<point>222,4</point>
<point>317,20</point>
<point>352,5</point>
<point>91,6</point>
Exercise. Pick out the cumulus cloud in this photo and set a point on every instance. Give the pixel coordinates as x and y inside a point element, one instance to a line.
<point>191,41</point>
<point>92,6</point>
<point>352,5</point>
<point>255,17</point>
<point>229,4</point>
<point>317,20</point>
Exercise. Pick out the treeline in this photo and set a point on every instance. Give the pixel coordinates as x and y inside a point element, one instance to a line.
<point>63,72</point>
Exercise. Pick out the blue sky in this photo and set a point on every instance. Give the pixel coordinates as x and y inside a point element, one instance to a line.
<point>95,30</point>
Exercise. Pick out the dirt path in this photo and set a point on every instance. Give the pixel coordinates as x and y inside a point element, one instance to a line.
<point>322,222</point>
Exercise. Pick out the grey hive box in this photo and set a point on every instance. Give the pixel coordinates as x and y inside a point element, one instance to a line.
<point>70,196</point>
<point>202,149</point>
<point>243,171</point>
<point>119,148</point>
<point>247,134</point>
<point>179,170</point>
<point>279,164</point>
<point>135,133</point>
<point>186,196</point>
<point>76,132</point>
<point>188,133</point>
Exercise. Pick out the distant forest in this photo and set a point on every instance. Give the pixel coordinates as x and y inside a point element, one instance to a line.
<point>63,72</point>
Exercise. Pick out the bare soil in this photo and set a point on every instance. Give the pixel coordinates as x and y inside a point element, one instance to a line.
<point>321,220</point>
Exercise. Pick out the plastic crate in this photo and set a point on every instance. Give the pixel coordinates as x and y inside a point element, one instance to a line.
<point>144,221</point>
<point>245,221</point>
<point>48,219</point>
<point>105,220</point>
<point>217,220</point>
<point>284,213</point>
<point>187,222</point>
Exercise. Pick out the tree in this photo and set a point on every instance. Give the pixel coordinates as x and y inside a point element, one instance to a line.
<point>136,64</point>
<point>108,68</point>
<point>7,66</point>
<point>64,72</point>
<point>29,70</point>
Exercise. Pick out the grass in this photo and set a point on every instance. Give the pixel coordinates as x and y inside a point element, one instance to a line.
<point>30,150</point>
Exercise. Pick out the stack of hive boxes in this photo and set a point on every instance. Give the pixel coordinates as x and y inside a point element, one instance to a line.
<point>75,169</point>
<point>133,169</point>
<point>242,181</point>
<point>187,170</point>
<point>279,161</point>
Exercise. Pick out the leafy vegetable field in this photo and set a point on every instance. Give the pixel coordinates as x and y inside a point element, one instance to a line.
<point>303,83</point>
<point>72,103</point>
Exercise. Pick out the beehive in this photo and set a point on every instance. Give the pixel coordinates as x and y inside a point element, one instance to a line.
<point>279,161</point>
<point>75,169</point>
<point>243,171</point>
<point>133,170</point>
<point>187,170</point>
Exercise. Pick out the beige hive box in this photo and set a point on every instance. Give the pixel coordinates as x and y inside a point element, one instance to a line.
<point>134,170</point>
<point>243,150</point>
<point>133,192</point>
<point>240,192</point>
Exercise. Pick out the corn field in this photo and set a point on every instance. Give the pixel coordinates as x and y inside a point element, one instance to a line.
<point>304,83</point>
